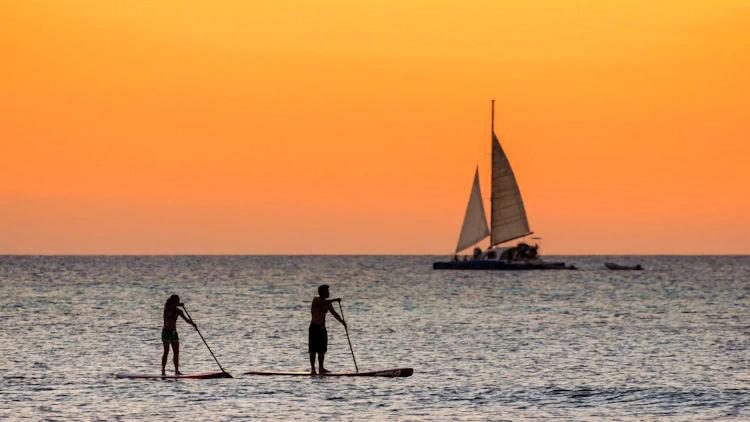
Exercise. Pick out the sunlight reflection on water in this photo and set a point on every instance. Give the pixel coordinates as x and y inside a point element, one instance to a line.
<point>670,342</point>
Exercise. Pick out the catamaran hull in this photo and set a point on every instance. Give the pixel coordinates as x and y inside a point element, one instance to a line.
<point>613,266</point>
<point>500,265</point>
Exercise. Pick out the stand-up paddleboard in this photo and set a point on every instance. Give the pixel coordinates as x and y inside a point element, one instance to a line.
<point>400,372</point>
<point>195,376</point>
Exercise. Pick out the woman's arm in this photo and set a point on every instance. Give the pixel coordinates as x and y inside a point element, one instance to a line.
<point>188,320</point>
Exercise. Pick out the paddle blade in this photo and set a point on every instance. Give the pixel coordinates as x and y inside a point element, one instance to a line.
<point>406,372</point>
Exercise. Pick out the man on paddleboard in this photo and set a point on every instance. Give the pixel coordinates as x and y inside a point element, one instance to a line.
<point>169,332</point>
<point>318,339</point>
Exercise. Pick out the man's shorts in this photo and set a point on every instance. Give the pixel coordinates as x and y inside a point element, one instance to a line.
<point>169,335</point>
<point>318,339</point>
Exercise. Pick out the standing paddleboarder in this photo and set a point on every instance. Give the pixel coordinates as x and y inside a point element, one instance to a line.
<point>169,332</point>
<point>318,339</point>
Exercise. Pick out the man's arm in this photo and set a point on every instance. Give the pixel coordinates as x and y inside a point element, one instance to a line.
<point>325,302</point>
<point>335,314</point>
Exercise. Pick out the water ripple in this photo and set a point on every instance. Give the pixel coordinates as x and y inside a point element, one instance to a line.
<point>668,343</point>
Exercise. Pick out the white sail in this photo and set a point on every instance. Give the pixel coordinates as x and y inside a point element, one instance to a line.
<point>508,216</point>
<point>475,227</point>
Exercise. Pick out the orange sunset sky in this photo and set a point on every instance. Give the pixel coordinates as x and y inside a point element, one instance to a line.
<point>244,127</point>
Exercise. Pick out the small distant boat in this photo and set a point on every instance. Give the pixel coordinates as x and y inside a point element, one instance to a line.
<point>507,222</point>
<point>613,266</point>
<point>391,373</point>
<point>211,375</point>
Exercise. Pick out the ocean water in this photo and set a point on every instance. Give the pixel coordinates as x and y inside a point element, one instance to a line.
<point>668,343</point>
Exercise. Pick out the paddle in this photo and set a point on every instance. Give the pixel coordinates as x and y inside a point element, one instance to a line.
<point>347,337</point>
<point>204,342</point>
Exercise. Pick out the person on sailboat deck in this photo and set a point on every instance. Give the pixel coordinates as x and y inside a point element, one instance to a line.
<point>477,252</point>
<point>169,332</point>
<point>318,336</point>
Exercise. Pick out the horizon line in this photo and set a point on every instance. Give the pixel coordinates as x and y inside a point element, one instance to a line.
<point>339,254</point>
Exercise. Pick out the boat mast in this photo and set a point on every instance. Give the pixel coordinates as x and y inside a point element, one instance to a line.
<point>492,134</point>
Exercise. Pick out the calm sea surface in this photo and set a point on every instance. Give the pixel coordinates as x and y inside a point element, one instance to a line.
<point>668,343</point>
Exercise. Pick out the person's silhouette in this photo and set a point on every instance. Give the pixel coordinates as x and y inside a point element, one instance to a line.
<point>318,336</point>
<point>169,333</point>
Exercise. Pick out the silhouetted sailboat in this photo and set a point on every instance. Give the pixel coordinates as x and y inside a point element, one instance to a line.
<point>507,222</point>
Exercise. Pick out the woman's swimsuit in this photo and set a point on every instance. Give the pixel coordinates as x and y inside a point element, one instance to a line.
<point>169,335</point>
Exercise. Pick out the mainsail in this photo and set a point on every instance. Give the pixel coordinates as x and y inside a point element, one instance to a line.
<point>475,222</point>
<point>508,216</point>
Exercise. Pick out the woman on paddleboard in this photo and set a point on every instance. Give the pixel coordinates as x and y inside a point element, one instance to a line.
<point>169,332</point>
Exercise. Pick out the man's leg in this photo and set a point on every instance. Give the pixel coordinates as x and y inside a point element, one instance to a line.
<point>321,358</point>
<point>312,363</point>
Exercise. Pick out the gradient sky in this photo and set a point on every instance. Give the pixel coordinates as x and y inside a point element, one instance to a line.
<point>243,127</point>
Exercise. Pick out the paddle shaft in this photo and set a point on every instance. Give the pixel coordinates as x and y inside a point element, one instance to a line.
<point>204,340</point>
<point>347,337</point>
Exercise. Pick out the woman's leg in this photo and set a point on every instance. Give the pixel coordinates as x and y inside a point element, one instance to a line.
<point>164,356</point>
<point>176,358</point>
